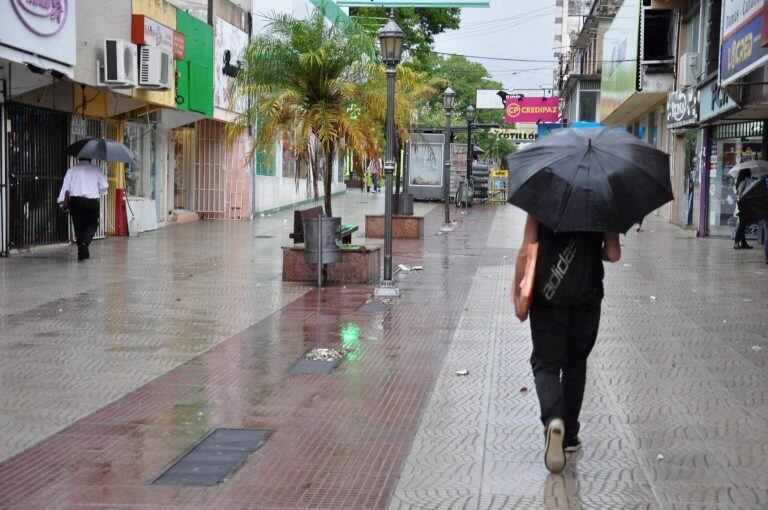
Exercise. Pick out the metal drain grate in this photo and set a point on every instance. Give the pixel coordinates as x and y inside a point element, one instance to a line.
<point>214,458</point>
<point>314,366</point>
<point>373,307</point>
<point>263,237</point>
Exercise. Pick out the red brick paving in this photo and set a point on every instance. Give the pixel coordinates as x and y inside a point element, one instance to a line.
<point>339,440</point>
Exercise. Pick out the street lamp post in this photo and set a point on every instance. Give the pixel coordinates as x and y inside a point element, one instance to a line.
<point>449,99</point>
<point>470,113</point>
<point>391,42</point>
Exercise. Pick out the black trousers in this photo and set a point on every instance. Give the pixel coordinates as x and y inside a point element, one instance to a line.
<point>741,232</point>
<point>85,217</point>
<point>563,337</point>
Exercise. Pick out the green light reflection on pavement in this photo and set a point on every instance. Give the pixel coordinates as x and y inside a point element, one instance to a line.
<point>350,340</point>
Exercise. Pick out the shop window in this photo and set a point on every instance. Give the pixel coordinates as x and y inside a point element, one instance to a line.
<point>265,157</point>
<point>658,49</point>
<point>712,41</point>
<point>588,101</point>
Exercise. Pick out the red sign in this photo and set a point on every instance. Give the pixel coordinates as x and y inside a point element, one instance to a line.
<point>179,45</point>
<point>531,109</point>
<point>146,31</point>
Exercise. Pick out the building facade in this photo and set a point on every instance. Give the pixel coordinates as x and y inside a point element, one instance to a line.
<point>152,74</point>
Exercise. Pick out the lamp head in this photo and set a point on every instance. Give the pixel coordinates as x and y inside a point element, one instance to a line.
<point>470,113</point>
<point>391,39</point>
<point>449,99</point>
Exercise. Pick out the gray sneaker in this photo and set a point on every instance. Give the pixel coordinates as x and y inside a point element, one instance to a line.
<point>554,455</point>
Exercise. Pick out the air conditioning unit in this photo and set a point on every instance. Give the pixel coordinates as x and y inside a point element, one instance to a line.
<point>155,68</point>
<point>120,60</point>
<point>690,68</point>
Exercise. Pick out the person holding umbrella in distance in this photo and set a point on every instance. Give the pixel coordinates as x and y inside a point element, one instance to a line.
<point>85,183</point>
<point>581,188</point>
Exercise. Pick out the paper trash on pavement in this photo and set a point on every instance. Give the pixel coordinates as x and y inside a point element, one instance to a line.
<point>463,371</point>
<point>323,354</point>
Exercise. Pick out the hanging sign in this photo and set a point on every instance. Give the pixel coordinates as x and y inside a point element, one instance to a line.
<point>741,50</point>
<point>683,107</point>
<point>531,109</point>
<point>516,135</point>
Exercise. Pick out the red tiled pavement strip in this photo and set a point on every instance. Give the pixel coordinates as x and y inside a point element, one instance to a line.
<point>339,440</point>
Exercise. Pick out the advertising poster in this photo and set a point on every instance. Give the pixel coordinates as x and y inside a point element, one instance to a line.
<point>230,44</point>
<point>531,109</point>
<point>620,54</point>
<point>741,50</point>
<point>426,160</point>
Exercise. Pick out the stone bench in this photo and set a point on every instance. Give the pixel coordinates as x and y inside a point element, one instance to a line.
<point>403,227</point>
<point>359,264</point>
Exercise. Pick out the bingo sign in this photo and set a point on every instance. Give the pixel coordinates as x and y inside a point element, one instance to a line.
<point>741,51</point>
<point>531,109</point>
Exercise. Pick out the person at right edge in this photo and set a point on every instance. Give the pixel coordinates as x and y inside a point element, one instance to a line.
<point>740,239</point>
<point>83,184</point>
<point>565,308</point>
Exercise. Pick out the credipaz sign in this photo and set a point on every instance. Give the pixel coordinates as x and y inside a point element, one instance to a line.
<point>531,109</point>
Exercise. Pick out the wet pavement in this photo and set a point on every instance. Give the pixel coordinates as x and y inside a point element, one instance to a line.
<point>111,370</point>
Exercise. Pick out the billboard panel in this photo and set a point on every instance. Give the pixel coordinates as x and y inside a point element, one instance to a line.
<point>741,50</point>
<point>620,58</point>
<point>531,109</point>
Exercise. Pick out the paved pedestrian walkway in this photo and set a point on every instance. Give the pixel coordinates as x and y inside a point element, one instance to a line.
<point>112,370</point>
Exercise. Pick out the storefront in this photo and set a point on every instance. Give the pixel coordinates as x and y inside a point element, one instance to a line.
<point>728,145</point>
<point>682,119</point>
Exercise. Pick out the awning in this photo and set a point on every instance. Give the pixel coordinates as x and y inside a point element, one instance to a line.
<point>637,104</point>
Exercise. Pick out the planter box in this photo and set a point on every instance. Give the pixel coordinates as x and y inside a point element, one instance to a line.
<point>403,227</point>
<point>359,264</point>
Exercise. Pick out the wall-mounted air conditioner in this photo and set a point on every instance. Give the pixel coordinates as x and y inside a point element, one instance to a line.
<point>690,68</point>
<point>155,68</point>
<point>118,70</point>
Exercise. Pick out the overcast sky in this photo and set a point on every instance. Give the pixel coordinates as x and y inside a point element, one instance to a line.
<point>513,29</point>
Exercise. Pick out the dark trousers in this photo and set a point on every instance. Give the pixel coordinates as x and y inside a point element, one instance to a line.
<point>85,217</point>
<point>563,337</point>
<point>741,233</point>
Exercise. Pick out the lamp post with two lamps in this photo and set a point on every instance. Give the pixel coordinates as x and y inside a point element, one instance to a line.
<point>391,39</point>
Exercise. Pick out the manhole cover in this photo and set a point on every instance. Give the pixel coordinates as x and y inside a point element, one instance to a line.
<point>214,458</point>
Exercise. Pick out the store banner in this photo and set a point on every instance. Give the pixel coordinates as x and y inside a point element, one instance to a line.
<point>39,32</point>
<point>230,44</point>
<point>713,100</point>
<point>531,109</point>
<point>741,51</point>
<point>148,32</point>
<point>683,107</point>
<point>516,134</point>
<point>620,56</point>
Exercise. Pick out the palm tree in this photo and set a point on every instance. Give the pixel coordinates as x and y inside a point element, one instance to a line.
<point>298,76</point>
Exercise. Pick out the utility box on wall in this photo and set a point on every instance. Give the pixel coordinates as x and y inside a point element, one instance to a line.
<point>195,73</point>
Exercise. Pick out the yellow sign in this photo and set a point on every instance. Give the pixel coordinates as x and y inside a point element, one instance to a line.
<point>500,173</point>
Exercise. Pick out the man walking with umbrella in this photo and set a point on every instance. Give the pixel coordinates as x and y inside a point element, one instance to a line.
<point>581,188</point>
<point>83,185</point>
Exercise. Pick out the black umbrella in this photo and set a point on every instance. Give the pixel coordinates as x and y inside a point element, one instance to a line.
<point>753,202</point>
<point>102,149</point>
<point>589,179</point>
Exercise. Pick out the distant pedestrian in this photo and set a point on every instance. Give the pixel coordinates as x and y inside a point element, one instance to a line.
<point>83,184</point>
<point>376,181</point>
<point>567,293</point>
<point>368,178</point>
<point>740,239</point>
<point>640,225</point>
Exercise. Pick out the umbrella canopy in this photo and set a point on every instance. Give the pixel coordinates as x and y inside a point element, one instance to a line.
<point>102,149</point>
<point>589,179</point>
<point>753,202</point>
<point>759,168</point>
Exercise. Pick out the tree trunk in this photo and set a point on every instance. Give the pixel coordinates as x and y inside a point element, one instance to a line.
<point>327,179</point>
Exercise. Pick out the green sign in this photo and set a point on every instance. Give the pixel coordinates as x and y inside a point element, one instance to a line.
<point>413,3</point>
<point>620,58</point>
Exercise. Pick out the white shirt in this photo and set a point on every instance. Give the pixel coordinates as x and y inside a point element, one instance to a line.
<point>84,180</point>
